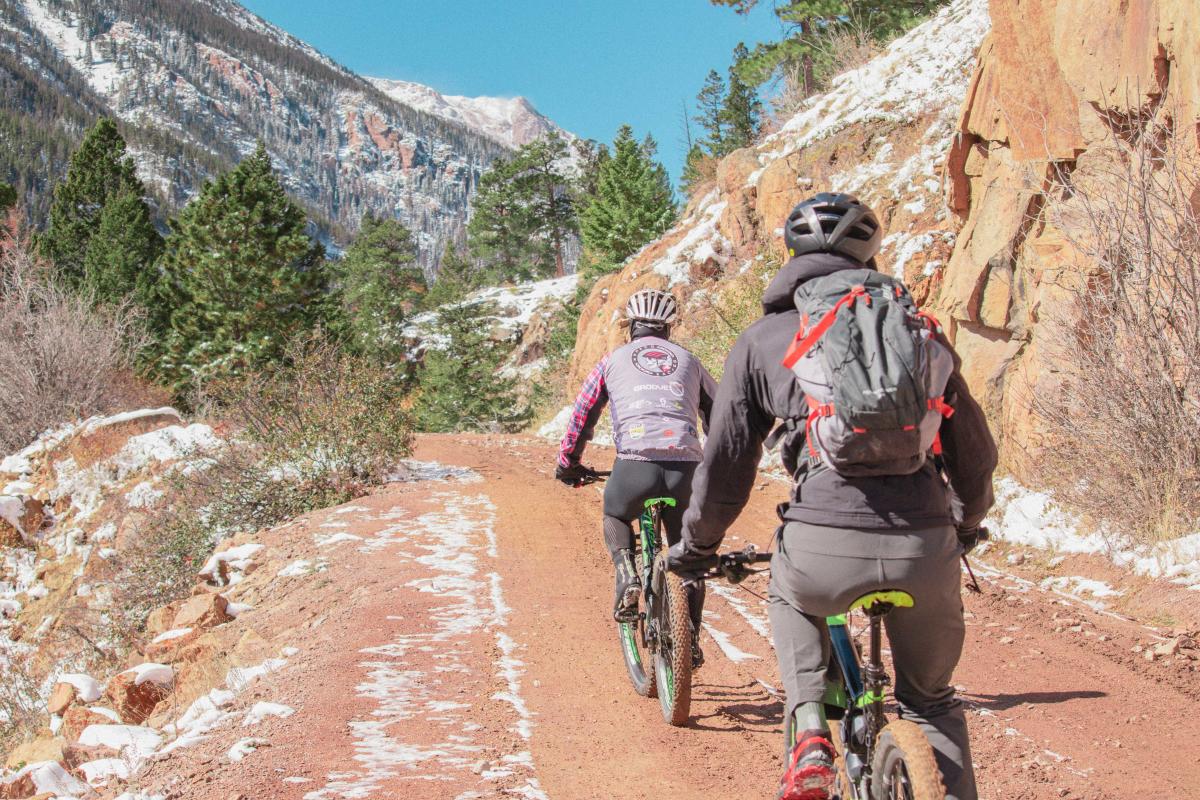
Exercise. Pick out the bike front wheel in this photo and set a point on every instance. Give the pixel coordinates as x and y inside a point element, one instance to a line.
<point>673,655</point>
<point>904,767</point>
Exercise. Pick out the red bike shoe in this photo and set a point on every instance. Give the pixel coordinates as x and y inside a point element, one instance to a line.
<point>811,774</point>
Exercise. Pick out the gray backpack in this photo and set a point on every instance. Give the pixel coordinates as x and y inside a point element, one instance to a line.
<point>873,373</point>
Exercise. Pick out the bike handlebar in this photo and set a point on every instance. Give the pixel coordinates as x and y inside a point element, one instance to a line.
<point>733,567</point>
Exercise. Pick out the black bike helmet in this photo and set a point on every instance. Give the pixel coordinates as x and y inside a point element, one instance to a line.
<point>833,223</point>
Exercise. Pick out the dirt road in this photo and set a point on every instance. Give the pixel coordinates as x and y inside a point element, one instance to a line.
<point>455,642</point>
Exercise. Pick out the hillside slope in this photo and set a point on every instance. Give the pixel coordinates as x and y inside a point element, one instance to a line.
<point>882,132</point>
<point>196,82</point>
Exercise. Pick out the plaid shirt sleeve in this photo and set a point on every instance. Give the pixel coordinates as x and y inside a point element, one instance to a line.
<point>588,405</point>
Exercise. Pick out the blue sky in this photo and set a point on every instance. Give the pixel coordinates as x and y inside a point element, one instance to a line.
<point>588,64</point>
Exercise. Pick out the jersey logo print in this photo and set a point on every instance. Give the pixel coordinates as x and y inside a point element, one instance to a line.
<point>655,360</point>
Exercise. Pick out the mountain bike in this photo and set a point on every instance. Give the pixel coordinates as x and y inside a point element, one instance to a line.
<point>878,759</point>
<point>657,645</point>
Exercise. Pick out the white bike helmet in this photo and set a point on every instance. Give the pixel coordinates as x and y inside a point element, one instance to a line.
<point>653,307</point>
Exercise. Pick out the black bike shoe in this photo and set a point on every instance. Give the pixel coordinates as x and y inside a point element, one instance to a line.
<point>628,587</point>
<point>697,655</point>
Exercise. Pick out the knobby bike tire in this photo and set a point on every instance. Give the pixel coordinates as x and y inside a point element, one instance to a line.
<point>904,767</point>
<point>639,661</point>
<point>673,661</point>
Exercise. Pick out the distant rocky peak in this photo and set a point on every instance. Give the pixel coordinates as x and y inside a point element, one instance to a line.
<point>512,121</point>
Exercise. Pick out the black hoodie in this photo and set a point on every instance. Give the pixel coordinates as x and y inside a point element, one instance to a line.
<point>757,390</point>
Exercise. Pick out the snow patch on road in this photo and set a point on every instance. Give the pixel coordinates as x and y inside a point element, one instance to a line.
<point>725,642</point>
<point>452,545</point>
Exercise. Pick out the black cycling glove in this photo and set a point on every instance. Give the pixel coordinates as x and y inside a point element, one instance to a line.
<point>969,537</point>
<point>575,475</point>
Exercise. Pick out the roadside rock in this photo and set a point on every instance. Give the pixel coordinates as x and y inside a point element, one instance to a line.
<point>135,692</point>
<point>76,719</point>
<point>61,697</point>
<point>35,751</point>
<point>203,611</point>
<point>74,754</point>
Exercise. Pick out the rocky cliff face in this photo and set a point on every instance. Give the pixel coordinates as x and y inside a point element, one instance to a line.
<point>882,132</point>
<point>196,82</point>
<point>1055,80</point>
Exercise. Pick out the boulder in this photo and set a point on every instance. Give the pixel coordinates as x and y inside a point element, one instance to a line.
<point>166,647</point>
<point>61,696</point>
<point>135,692</point>
<point>44,749</point>
<point>74,754</point>
<point>76,719</point>
<point>203,611</point>
<point>160,619</point>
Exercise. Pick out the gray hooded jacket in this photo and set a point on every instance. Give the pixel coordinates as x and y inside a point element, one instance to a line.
<point>757,390</point>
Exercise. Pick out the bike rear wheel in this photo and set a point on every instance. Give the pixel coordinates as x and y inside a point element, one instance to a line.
<point>904,767</point>
<point>673,657</point>
<point>639,661</point>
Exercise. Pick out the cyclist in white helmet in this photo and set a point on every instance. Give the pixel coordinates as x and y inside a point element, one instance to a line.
<point>657,390</point>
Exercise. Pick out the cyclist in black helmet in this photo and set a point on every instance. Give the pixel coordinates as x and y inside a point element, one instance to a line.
<point>846,532</point>
<point>657,390</point>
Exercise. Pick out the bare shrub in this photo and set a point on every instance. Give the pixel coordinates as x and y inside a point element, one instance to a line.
<point>718,319</point>
<point>21,707</point>
<point>61,358</point>
<point>314,431</point>
<point>1127,449</point>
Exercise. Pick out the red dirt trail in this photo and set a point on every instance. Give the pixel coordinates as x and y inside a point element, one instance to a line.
<point>463,648</point>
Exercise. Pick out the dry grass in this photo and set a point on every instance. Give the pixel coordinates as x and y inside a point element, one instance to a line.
<point>1128,415</point>
<point>61,358</point>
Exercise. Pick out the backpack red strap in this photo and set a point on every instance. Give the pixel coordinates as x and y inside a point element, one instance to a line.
<point>815,411</point>
<point>940,405</point>
<point>805,338</point>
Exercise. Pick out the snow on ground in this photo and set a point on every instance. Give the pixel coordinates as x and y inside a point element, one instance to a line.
<point>1031,518</point>
<point>411,469</point>
<point>702,243</point>
<point>454,547</point>
<point>924,70</point>
<point>514,305</point>
<point>725,642</point>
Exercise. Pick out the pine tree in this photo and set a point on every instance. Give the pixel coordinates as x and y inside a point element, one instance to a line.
<point>500,227</point>
<point>8,197</point>
<point>710,102</point>
<point>456,278</point>
<point>810,24</point>
<point>123,249</point>
<point>741,111</point>
<point>550,202</point>
<point>99,171</point>
<point>460,385</point>
<point>524,213</point>
<point>241,275</point>
<point>380,283</point>
<point>633,203</point>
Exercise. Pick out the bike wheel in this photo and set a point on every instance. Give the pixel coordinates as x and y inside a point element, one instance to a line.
<point>904,767</point>
<point>639,661</point>
<point>673,659</point>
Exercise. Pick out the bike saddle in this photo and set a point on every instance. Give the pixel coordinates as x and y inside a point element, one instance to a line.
<point>881,602</point>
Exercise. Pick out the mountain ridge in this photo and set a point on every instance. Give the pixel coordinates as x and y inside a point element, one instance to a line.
<point>196,83</point>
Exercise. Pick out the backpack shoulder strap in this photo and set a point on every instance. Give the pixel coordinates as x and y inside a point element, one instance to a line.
<point>807,337</point>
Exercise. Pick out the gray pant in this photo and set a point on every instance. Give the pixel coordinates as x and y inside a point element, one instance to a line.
<point>817,572</point>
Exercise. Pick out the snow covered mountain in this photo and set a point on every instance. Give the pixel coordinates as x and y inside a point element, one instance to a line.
<point>512,121</point>
<point>195,83</point>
